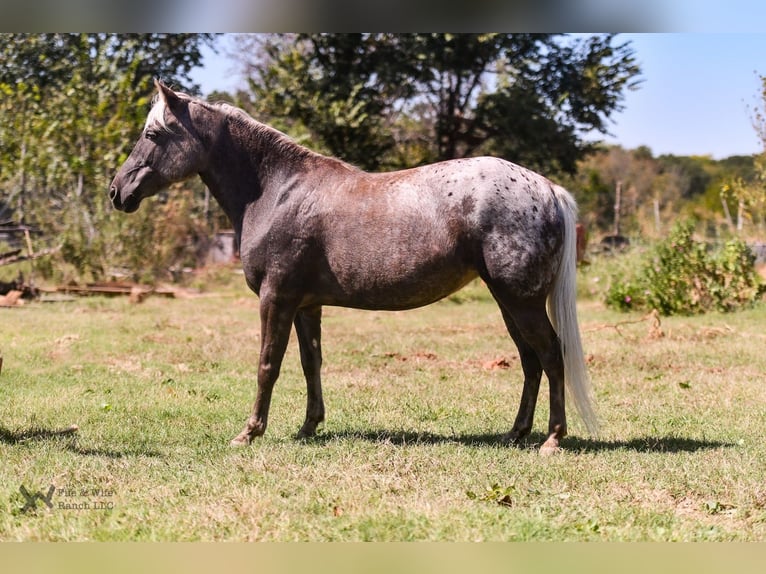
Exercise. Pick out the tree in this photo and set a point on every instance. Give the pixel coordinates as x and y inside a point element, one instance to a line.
<point>657,190</point>
<point>342,88</point>
<point>634,173</point>
<point>527,97</point>
<point>71,109</point>
<point>751,195</point>
<point>48,60</point>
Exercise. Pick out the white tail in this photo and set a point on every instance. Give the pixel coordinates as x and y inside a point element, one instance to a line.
<point>562,310</point>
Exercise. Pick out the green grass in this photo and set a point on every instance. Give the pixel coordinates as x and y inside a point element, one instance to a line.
<point>411,448</point>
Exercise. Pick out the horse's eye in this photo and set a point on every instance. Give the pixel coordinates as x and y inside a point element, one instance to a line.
<point>152,135</point>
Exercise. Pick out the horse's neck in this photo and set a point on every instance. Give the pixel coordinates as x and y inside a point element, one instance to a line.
<point>246,167</point>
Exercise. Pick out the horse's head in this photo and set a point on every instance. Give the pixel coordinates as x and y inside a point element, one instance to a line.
<point>169,150</point>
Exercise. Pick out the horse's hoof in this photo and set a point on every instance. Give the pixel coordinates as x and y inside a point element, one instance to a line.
<point>309,429</point>
<point>550,448</point>
<point>240,441</point>
<point>513,438</point>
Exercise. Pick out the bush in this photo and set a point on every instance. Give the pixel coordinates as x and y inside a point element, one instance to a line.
<point>681,276</point>
<point>169,232</point>
<point>626,295</point>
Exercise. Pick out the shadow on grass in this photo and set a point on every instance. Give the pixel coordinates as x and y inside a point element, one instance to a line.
<point>15,437</point>
<point>68,438</point>
<point>667,444</point>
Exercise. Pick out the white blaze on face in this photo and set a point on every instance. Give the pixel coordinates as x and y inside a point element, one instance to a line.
<point>156,117</point>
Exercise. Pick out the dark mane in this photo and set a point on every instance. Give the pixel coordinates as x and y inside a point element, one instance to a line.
<point>272,137</point>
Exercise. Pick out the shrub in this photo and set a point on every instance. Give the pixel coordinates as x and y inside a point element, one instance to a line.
<point>626,295</point>
<point>681,276</point>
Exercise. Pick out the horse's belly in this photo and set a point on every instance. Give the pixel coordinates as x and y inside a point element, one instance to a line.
<point>395,283</point>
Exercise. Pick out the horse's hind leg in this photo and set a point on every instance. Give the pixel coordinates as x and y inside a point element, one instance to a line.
<point>532,324</point>
<point>533,372</point>
<point>308,326</point>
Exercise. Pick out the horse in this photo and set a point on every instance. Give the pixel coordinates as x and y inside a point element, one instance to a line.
<point>316,231</point>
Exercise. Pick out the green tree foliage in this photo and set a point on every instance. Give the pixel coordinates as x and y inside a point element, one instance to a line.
<point>48,60</point>
<point>527,97</point>
<point>71,108</point>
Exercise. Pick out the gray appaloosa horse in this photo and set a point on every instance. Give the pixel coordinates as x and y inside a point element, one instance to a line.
<point>317,231</point>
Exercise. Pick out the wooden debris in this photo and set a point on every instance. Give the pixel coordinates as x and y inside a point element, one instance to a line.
<point>652,318</point>
<point>499,363</point>
<point>137,293</point>
<point>9,256</point>
<point>655,325</point>
<point>16,257</point>
<point>11,299</point>
<point>19,284</point>
<point>13,294</point>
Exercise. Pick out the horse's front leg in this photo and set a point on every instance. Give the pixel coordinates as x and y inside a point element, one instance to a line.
<point>276,320</point>
<point>308,326</point>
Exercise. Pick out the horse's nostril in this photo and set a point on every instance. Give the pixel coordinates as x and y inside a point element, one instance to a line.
<point>112,193</point>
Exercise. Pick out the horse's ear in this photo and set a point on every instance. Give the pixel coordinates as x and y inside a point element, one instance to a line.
<point>170,98</point>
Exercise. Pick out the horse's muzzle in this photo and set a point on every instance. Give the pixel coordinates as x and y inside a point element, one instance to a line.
<point>128,205</point>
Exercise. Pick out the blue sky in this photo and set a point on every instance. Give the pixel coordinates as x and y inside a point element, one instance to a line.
<point>693,100</point>
<point>697,95</point>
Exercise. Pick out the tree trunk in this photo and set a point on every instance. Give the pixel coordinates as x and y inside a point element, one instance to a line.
<point>657,223</point>
<point>740,214</point>
<point>617,203</point>
<point>727,213</point>
<point>22,182</point>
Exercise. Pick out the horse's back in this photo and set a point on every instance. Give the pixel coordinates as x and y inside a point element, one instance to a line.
<point>482,186</point>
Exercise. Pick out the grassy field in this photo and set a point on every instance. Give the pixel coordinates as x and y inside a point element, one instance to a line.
<point>416,405</point>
